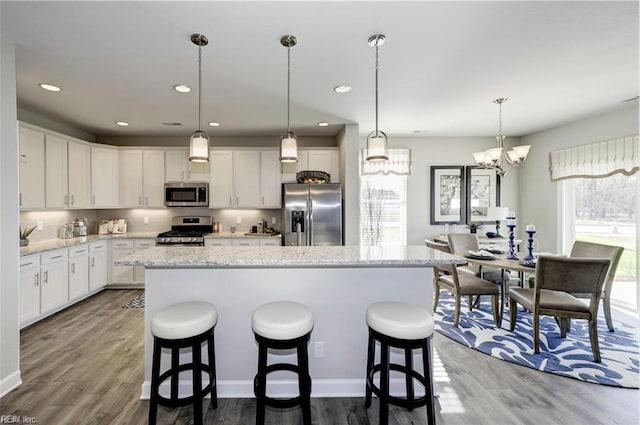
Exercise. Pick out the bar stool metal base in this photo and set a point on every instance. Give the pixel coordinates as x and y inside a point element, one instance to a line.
<point>301,369</point>
<point>197,368</point>
<point>385,366</point>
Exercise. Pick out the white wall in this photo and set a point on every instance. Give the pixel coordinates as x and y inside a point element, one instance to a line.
<point>539,195</point>
<point>428,151</point>
<point>348,142</point>
<point>9,282</point>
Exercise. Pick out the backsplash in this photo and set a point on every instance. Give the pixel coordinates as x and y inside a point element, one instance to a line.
<point>159,220</point>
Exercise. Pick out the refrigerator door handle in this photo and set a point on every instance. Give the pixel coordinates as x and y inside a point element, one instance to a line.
<point>310,231</point>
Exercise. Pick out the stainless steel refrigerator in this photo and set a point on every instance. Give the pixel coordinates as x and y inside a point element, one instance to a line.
<point>312,214</point>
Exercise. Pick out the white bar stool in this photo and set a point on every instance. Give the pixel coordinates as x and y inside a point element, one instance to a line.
<point>282,325</point>
<point>408,327</point>
<point>184,325</point>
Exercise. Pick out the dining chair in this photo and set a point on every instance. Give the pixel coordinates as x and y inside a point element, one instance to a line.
<point>460,244</point>
<point>582,249</point>
<point>557,278</point>
<point>461,284</point>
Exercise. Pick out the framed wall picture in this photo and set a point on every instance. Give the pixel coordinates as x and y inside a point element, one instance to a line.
<point>447,194</point>
<point>483,191</point>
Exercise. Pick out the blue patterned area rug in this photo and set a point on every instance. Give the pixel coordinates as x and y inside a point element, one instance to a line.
<point>570,356</point>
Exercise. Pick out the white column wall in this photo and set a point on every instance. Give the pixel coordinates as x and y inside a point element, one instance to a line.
<point>348,142</point>
<point>9,222</point>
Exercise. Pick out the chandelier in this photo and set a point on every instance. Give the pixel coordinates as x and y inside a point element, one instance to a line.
<point>499,158</point>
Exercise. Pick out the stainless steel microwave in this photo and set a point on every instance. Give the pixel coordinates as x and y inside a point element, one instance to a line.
<point>186,194</point>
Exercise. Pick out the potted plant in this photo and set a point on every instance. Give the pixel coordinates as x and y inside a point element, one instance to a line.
<point>473,227</point>
<point>24,235</point>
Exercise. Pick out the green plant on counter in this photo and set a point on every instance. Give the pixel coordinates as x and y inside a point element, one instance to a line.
<point>473,227</point>
<point>24,234</point>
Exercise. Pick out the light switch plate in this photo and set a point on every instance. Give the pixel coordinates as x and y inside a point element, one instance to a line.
<point>40,225</point>
<point>239,220</point>
<point>145,220</point>
<point>274,220</point>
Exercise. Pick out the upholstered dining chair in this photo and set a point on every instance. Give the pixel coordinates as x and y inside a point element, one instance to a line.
<point>556,279</point>
<point>582,249</point>
<point>460,284</point>
<point>460,244</point>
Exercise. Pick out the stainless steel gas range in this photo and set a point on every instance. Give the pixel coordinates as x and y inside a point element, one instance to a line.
<point>186,231</point>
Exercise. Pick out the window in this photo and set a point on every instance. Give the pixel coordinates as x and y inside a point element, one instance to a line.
<point>383,210</point>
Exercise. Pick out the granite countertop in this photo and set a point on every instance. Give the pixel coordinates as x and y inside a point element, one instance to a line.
<point>52,244</point>
<point>229,235</point>
<point>287,256</point>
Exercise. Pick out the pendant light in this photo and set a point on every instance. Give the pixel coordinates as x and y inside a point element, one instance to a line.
<point>499,158</point>
<point>377,140</point>
<point>199,141</point>
<point>288,143</point>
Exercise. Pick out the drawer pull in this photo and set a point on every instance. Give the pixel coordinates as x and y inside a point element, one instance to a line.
<point>25,264</point>
<point>57,256</point>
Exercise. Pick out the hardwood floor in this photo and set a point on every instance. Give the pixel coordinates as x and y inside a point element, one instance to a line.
<point>84,366</point>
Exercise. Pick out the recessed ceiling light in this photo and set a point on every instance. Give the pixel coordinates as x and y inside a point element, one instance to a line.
<point>417,131</point>
<point>214,124</point>
<point>182,88</point>
<point>342,89</point>
<point>172,124</point>
<point>122,123</point>
<point>323,124</point>
<point>50,87</point>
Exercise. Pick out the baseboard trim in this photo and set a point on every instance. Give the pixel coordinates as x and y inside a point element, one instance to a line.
<point>321,388</point>
<point>10,383</point>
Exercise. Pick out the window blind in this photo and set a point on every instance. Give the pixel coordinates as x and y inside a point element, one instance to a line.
<point>596,160</point>
<point>399,163</point>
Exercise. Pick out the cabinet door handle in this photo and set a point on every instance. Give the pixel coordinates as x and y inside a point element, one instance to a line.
<point>93,261</point>
<point>230,201</point>
<point>46,276</point>
<point>73,268</point>
<point>20,199</point>
<point>146,200</point>
<point>237,202</point>
<point>263,200</point>
<point>73,201</point>
<point>139,200</point>
<point>36,279</point>
<point>93,200</point>
<point>56,256</point>
<point>66,200</point>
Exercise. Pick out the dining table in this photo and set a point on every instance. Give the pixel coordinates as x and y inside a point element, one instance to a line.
<point>504,264</point>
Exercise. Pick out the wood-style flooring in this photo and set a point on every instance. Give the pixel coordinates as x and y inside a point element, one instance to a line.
<point>85,366</point>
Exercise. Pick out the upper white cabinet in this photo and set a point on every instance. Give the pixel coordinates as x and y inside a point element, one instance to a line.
<point>32,171</point>
<point>141,178</point>
<point>56,169</point>
<point>178,168</point>
<point>104,177</point>
<point>270,179</point>
<point>326,160</point>
<point>244,179</point>
<point>79,157</point>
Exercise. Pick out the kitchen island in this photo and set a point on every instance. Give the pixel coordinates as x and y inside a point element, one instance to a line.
<point>337,283</point>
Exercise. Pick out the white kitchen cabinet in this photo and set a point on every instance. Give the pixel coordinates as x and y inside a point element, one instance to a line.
<point>138,245</point>
<point>235,179</point>
<point>54,290</point>
<point>31,168</point>
<point>240,241</point>
<point>217,242</point>
<point>326,160</point>
<point>248,241</point>
<point>142,178</point>
<point>78,271</point>
<point>56,172</point>
<point>104,177</point>
<point>272,241</point>
<point>270,179</point>
<point>97,265</point>
<point>29,287</point>
<point>79,160</point>
<point>121,274</point>
<point>179,169</point>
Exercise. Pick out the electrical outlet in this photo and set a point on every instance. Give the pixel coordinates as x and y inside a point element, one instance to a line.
<point>239,220</point>
<point>145,220</point>
<point>319,349</point>
<point>40,225</point>
<point>274,220</point>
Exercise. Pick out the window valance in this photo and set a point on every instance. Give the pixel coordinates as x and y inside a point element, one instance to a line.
<point>596,160</point>
<point>399,163</point>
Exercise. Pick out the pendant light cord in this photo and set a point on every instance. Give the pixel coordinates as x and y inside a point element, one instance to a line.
<point>288,89</point>
<point>377,42</point>
<point>199,83</point>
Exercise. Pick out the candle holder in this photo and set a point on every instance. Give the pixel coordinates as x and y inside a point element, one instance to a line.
<point>530,256</point>
<point>511,255</point>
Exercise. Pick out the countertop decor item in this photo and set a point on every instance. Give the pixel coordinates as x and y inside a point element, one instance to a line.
<point>310,176</point>
<point>473,227</point>
<point>24,235</point>
<point>199,140</point>
<point>511,225</point>
<point>531,230</point>
<point>289,143</point>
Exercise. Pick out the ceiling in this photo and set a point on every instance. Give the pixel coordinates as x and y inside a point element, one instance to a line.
<point>441,66</point>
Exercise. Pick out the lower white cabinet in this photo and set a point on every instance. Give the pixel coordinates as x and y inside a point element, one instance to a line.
<point>78,271</point>
<point>240,241</point>
<point>54,290</point>
<point>29,288</point>
<point>128,275</point>
<point>97,265</point>
<point>272,241</point>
